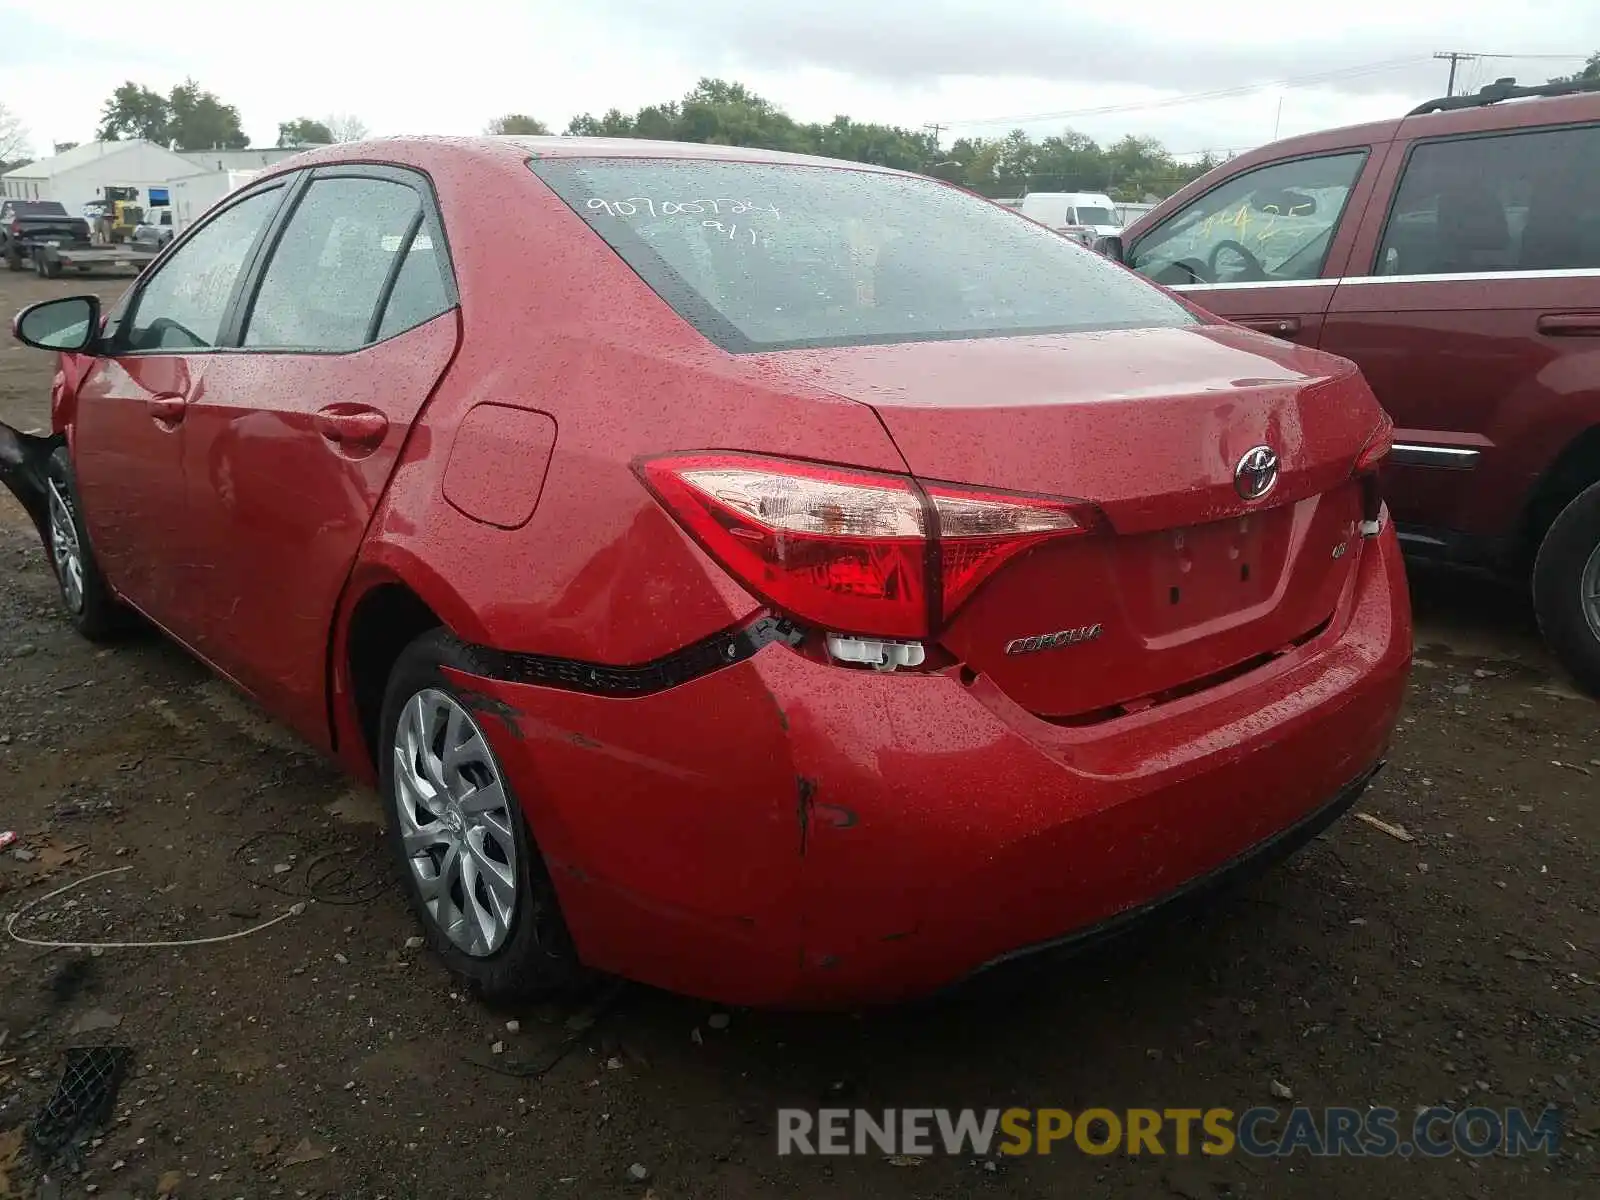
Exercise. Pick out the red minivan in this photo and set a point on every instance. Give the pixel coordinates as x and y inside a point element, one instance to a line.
<point>1454,255</point>
<point>775,579</point>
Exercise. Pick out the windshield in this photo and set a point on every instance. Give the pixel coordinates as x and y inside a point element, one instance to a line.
<point>765,256</point>
<point>1095,216</point>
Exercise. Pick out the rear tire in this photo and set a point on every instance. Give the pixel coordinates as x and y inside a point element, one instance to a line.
<point>1566,589</point>
<point>472,872</point>
<point>89,604</point>
<point>13,262</point>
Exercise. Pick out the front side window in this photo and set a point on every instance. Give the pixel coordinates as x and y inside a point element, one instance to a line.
<point>771,256</point>
<point>1274,223</point>
<point>323,284</point>
<point>183,305</point>
<point>1510,202</point>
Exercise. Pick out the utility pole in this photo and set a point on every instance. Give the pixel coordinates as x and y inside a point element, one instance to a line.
<point>1455,57</point>
<point>937,130</point>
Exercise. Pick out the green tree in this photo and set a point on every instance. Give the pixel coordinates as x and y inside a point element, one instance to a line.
<point>200,121</point>
<point>730,114</point>
<point>135,111</point>
<point>518,123</point>
<point>1589,74</point>
<point>303,131</point>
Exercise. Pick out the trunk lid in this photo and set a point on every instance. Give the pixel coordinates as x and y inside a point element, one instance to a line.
<point>1192,581</point>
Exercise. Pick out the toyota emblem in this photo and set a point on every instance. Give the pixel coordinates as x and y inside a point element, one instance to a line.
<point>1256,473</point>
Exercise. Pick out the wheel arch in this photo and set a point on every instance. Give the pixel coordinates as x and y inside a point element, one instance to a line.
<point>1574,471</point>
<point>391,600</point>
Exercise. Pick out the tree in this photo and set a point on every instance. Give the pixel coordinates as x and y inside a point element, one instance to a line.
<point>346,128</point>
<point>303,131</point>
<point>136,112</point>
<point>518,123</point>
<point>730,114</point>
<point>1589,74</point>
<point>188,117</point>
<point>13,136</point>
<point>202,122</point>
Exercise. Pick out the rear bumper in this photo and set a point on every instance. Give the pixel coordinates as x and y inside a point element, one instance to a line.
<point>782,832</point>
<point>1250,863</point>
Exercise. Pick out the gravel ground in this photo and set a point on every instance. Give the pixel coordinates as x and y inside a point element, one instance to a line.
<point>324,1056</point>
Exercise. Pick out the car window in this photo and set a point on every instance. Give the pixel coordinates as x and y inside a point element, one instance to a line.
<point>183,305</point>
<point>326,276</point>
<point>419,293</point>
<point>1270,224</point>
<point>777,256</point>
<point>1527,201</point>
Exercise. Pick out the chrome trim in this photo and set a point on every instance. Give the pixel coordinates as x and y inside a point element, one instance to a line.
<point>1475,276</point>
<point>1450,458</point>
<point>1266,283</point>
<point>1353,280</point>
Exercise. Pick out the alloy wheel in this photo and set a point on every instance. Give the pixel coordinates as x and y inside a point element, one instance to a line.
<point>64,548</point>
<point>1589,592</point>
<point>455,822</point>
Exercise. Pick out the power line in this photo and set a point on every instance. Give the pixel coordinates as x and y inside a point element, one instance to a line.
<point>1246,89</point>
<point>1194,97</point>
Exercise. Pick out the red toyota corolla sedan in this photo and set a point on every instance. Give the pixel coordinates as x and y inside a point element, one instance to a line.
<point>780,580</point>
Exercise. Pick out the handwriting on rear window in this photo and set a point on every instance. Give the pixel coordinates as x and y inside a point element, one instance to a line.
<point>634,205</point>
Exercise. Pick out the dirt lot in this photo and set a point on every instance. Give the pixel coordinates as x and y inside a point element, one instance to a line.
<point>323,1057</point>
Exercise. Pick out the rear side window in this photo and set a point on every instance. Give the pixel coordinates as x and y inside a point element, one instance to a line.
<point>331,269</point>
<point>1273,223</point>
<point>769,256</point>
<point>419,294</point>
<point>1525,201</point>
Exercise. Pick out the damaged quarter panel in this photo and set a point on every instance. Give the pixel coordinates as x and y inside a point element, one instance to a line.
<point>669,824</point>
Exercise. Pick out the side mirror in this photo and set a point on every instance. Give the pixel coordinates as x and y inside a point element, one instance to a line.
<point>1111,246</point>
<point>69,325</point>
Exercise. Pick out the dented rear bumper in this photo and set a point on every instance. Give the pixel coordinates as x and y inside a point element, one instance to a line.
<point>782,832</point>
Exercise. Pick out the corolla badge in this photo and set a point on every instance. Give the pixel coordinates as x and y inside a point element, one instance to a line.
<point>1050,641</point>
<point>1256,473</point>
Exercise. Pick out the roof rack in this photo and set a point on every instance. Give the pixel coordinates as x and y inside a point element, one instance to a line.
<point>1503,89</point>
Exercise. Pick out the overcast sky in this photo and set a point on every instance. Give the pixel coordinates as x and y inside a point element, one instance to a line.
<point>975,66</point>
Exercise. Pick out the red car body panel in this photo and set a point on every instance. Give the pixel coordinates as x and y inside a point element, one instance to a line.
<point>879,877</point>
<point>783,829</point>
<point>1506,365</point>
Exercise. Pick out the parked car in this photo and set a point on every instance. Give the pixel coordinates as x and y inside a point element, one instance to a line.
<point>24,223</point>
<point>1082,216</point>
<point>774,579</point>
<point>156,230</point>
<point>1454,254</point>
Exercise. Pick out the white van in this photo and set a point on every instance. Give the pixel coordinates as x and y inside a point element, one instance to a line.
<point>1086,214</point>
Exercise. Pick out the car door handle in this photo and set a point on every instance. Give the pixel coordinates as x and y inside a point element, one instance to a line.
<point>362,427</point>
<point>167,409</point>
<point>1277,326</point>
<point>1577,324</point>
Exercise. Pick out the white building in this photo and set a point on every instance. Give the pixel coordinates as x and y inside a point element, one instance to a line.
<point>82,174</point>
<point>241,160</point>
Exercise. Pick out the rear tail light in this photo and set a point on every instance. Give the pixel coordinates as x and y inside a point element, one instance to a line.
<point>852,551</point>
<point>1368,462</point>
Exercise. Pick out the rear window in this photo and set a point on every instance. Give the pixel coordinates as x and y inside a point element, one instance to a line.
<point>765,256</point>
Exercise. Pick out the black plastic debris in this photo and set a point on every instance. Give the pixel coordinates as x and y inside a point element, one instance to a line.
<point>82,1101</point>
<point>24,460</point>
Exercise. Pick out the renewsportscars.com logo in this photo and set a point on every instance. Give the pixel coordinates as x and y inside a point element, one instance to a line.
<point>1259,1132</point>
